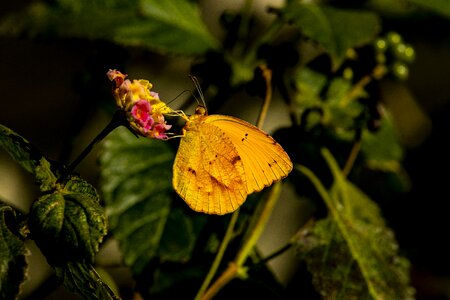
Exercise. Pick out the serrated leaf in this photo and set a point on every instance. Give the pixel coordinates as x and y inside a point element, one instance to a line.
<point>356,227</point>
<point>171,26</point>
<point>337,30</point>
<point>13,264</point>
<point>28,156</point>
<point>68,224</point>
<point>82,279</point>
<point>137,187</point>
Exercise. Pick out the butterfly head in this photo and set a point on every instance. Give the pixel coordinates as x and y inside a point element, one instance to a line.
<point>201,110</point>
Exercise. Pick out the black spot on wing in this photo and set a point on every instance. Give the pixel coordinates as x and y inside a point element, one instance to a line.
<point>192,171</point>
<point>235,159</point>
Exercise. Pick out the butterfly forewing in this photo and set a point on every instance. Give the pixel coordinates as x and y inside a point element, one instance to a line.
<point>263,158</point>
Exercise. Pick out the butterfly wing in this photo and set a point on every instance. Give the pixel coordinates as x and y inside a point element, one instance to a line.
<point>264,160</point>
<point>208,172</point>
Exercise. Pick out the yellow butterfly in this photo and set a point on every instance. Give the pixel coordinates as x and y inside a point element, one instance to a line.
<point>222,159</point>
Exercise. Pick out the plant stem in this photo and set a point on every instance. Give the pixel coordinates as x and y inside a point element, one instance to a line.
<point>260,225</point>
<point>236,267</point>
<point>351,158</point>
<point>116,121</point>
<point>267,75</point>
<point>223,246</point>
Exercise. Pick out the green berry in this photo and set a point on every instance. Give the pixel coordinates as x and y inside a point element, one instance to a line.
<point>399,50</point>
<point>400,70</point>
<point>348,73</point>
<point>393,38</point>
<point>380,45</point>
<point>410,54</point>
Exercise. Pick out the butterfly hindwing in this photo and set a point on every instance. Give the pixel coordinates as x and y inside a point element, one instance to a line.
<point>208,172</point>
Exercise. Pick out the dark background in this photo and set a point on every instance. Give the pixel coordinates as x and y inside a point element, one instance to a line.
<point>46,97</point>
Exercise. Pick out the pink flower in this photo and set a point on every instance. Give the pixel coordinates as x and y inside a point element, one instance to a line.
<point>141,112</point>
<point>159,131</point>
<point>142,106</point>
<point>116,76</point>
<point>154,94</point>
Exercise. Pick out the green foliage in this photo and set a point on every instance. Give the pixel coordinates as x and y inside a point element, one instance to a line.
<point>66,222</point>
<point>355,238</point>
<point>137,186</point>
<point>82,279</point>
<point>170,26</point>
<point>381,148</point>
<point>13,264</point>
<point>28,157</point>
<point>439,6</point>
<point>70,220</point>
<point>337,30</point>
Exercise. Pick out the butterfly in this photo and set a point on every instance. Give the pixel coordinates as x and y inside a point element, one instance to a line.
<point>222,159</point>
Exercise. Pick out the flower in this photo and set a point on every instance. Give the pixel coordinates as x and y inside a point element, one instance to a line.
<point>142,107</point>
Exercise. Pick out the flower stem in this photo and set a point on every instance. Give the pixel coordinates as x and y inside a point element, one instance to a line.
<point>116,121</point>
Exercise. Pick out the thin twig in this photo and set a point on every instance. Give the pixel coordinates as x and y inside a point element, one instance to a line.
<point>220,252</point>
<point>267,75</point>
<point>236,267</point>
<point>116,121</point>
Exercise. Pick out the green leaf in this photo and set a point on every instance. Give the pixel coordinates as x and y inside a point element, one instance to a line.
<point>342,109</point>
<point>309,83</point>
<point>337,30</point>
<point>137,187</point>
<point>356,227</point>
<point>441,7</point>
<point>68,224</point>
<point>28,157</point>
<point>13,264</point>
<point>170,25</point>
<point>381,149</point>
<point>82,279</point>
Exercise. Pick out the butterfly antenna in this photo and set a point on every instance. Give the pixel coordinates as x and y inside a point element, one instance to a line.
<point>199,90</point>
<point>177,96</point>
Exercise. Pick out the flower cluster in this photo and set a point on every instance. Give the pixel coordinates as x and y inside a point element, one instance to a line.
<point>143,108</point>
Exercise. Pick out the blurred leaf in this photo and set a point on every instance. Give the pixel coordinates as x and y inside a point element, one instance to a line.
<point>441,7</point>
<point>309,83</point>
<point>13,264</point>
<point>339,109</point>
<point>337,30</point>
<point>28,157</point>
<point>171,26</point>
<point>82,279</point>
<point>381,148</point>
<point>137,186</point>
<point>342,108</point>
<point>355,226</point>
<point>68,224</point>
